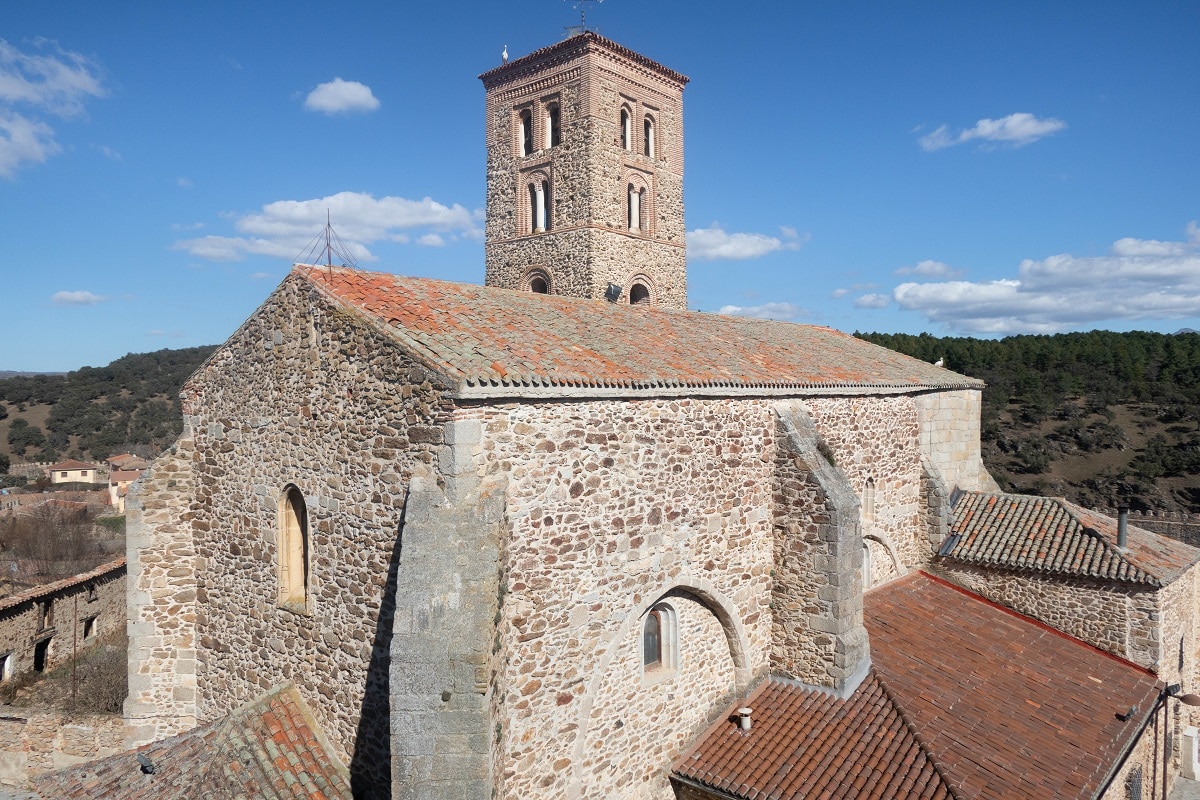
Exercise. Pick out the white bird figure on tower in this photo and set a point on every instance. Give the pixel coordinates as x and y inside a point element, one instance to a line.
<point>941,362</point>
<point>504,54</point>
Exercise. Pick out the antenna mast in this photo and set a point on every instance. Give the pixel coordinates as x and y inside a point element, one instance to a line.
<point>326,245</point>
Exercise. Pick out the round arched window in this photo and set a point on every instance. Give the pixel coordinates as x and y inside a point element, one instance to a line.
<point>639,295</point>
<point>537,285</point>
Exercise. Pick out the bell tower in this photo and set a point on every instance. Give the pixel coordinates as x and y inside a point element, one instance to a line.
<point>585,174</point>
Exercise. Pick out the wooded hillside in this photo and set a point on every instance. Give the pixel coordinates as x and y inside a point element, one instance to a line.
<point>1101,418</point>
<point>132,405</point>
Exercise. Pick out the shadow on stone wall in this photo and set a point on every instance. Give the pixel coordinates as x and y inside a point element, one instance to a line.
<point>370,768</point>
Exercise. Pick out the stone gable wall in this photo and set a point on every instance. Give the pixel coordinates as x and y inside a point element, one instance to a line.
<point>304,394</point>
<point>39,740</point>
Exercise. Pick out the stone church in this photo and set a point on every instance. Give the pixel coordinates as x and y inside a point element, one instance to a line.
<point>537,538</point>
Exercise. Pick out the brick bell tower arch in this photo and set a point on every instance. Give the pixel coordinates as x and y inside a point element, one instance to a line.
<point>585,172</point>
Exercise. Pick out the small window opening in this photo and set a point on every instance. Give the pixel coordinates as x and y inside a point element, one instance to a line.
<point>91,593</point>
<point>868,502</point>
<point>293,549</point>
<point>652,640</point>
<point>6,667</point>
<point>660,643</point>
<point>538,285</point>
<point>626,133</point>
<point>553,133</point>
<point>867,580</point>
<point>648,139</point>
<point>41,655</point>
<point>639,295</point>
<point>89,627</point>
<point>46,615</point>
<point>526,132</point>
<point>547,204</point>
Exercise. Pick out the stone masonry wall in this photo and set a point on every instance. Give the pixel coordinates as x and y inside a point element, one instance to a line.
<point>611,507</point>
<point>877,438</point>
<point>305,394</point>
<point>161,597</point>
<point>817,634</point>
<point>53,617</point>
<point>1116,618</point>
<point>950,438</point>
<point>40,740</point>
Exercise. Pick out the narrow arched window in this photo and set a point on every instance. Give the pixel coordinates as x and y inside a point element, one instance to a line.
<point>639,295</point>
<point>293,549</point>
<point>535,213</point>
<point>648,138</point>
<point>867,579</point>
<point>868,502</point>
<point>547,205</point>
<point>652,654</point>
<point>526,132</point>
<point>626,133</point>
<point>553,134</point>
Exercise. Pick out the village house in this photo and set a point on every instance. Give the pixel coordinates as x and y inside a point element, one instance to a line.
<point>544,538</point>
<point>71,471</point>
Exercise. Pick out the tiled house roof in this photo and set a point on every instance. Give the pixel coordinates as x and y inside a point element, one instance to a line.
<point>47,589</point>
<point>966,699</point>
<point>808,743</point>
<point>70,464</point>
<point>490,342</point>
<point>271,748</point>
<point>1051,535</point>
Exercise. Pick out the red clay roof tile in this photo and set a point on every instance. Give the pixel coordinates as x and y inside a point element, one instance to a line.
<point>1051,535</point>
<point>486,340</point>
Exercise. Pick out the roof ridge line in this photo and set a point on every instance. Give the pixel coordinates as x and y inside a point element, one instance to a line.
<point>912,729</point>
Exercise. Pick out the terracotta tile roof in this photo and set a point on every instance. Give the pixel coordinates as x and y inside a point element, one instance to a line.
<point>807,743</point>
<point>965,699</point>
<point>496,342</point>
<point>270,748</point>
<point>1051,535</point>
<point>118,475</point>
<point>1006,706</point>
<point>102,571</point>
<point>71,465</point>
<point>587,37</point>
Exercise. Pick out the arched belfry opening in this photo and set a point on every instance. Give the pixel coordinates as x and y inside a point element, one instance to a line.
<point>566,126</point>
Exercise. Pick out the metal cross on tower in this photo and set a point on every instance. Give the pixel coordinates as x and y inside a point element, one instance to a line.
<point>581,5</point>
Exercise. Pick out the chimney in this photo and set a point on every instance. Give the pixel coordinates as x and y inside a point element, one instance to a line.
<point>743,717</point>
<point>1123,527</point>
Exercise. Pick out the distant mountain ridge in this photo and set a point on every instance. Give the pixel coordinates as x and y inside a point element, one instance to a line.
<point>8,373</point>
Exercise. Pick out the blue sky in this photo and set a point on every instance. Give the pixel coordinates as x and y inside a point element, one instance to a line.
<point>960,168</point>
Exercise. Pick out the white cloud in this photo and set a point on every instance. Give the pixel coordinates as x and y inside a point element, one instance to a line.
<point>186,226</point>
<point>1142,279</point>
<point>780,311</point>
<point>872,301</point>
<point>185,183</point>
<point>931,269</point>
<point>857,287</point>
<point>39,85</point>
<point>713,243</point>
<point>76,299</point>
<point>286,228</point>
<point>1015,130</point>
<point>261,276</point>
<point>341,97</point>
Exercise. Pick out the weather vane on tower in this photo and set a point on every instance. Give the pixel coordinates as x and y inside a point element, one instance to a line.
<point>581,5</point>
